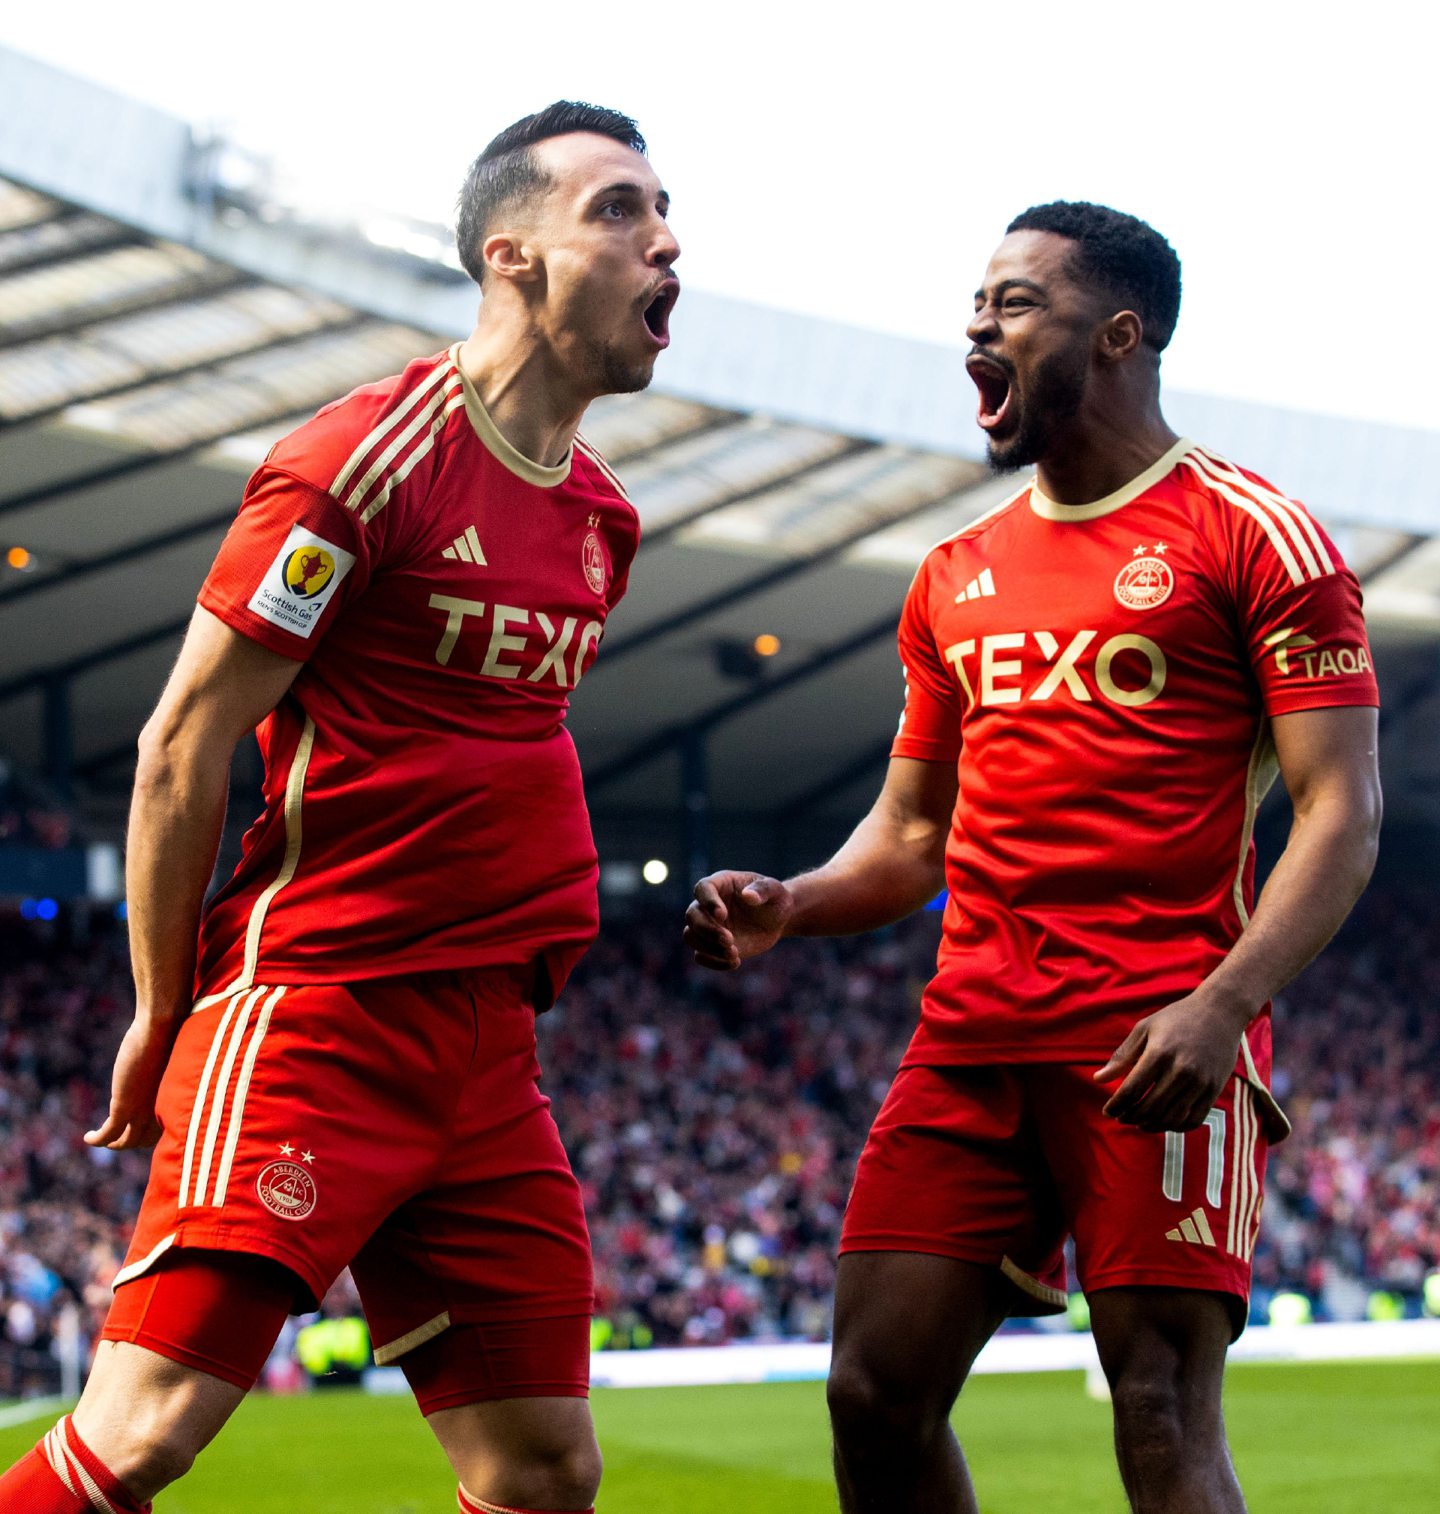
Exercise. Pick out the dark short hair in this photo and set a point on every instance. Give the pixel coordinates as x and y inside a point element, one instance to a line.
<point>1121,254</point>
<point>507,172</point>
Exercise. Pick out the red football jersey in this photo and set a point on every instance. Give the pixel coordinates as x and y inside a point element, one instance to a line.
<point>1103,675</point>
<point>423,803</point>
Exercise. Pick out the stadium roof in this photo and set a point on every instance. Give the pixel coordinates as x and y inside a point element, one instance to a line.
<point>163,319</point>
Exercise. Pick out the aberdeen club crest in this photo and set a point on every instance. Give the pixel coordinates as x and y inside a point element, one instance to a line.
<point>1146,580</point>
<point>592,558</point>
<point>287,1189</point>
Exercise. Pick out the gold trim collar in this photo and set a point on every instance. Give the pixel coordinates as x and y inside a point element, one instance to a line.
<point>1048,509</point>
<point>501,450</point>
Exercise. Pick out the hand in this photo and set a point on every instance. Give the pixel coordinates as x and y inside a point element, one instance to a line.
<point>139,1066</point>
<point>735,916</point>
<point>1178,1059</point>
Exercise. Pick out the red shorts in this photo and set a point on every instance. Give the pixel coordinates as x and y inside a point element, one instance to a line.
<point>998,1165</point>
<point>394,1125</point>
<point>221,1312</point>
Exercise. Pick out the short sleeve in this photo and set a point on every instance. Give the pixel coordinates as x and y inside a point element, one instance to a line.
<point>291,559</point>
<point>623,550</point>
<point>930,722</point>
<point>1300,609</point>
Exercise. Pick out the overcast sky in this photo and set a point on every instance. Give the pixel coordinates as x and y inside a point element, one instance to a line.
<point>860,162</point>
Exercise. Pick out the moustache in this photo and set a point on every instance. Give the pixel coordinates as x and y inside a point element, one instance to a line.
<point>1003,364</point>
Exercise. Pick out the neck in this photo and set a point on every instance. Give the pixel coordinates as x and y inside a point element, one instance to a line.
<point>1103,450</point>
<point>532,401</point>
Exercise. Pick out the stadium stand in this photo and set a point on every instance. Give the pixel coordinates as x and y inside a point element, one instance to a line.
<point>167,318</point>
<point>714,1123</point>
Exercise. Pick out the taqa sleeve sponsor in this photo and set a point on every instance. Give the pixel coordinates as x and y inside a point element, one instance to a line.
<point>1303,624</point>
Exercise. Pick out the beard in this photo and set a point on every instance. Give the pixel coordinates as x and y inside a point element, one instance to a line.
<point>1055,395</point>
<point>613,373</point>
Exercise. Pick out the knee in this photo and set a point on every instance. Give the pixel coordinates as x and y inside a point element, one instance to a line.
<point>163,1456</point>
<point>545,1474</point>
<point>148,1453</point>
<point>572,1474</point>
<point>1149,1414</point>
<point>852,1396</point>
<point>870,1409</point>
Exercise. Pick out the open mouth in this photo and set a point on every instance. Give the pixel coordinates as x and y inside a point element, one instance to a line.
<point>657,312</point>
<point>993,381</point>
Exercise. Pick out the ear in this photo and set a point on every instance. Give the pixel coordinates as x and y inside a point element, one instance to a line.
<point>1120,336</point>
<point>508,256</point>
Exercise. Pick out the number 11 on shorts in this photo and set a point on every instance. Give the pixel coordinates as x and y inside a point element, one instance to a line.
<point>1173,1176</point>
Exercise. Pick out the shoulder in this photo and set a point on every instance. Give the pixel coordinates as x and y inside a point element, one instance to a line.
<point>598,481</point>
<point>355,447</point>
<point>1250,514</point>
<point>591,469</point>
<point>974,534</point>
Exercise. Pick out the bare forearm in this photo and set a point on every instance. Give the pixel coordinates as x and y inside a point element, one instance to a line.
<point>885,871</point>
<point>1324,869</point>
<point>892,863</point>
<point>175,822</point>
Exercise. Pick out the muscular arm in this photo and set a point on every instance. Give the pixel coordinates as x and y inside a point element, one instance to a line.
<point>1178,1059</point>
<point>1329,763</point>
<point>222,686</point>
<point>893,862</point>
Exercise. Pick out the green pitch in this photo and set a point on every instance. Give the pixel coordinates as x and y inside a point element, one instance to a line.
<point>1332,1439</point>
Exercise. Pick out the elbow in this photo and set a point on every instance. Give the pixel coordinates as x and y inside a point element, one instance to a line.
<point>1368,822</point>
<point>155,755</point>
<point>1356,828</point>
<point>168,756</point>
<point>927,866</point>
<point>1341,827</point>
<point>931,878</point>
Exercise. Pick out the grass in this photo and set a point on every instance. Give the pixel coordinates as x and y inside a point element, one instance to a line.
<point>1347,1438</point>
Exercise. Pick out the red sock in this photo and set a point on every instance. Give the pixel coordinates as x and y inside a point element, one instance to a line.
<point>62,1475</point>
<point>470,1505</point>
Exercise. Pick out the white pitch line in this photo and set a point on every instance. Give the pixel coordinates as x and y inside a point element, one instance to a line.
<point>28,1409</point>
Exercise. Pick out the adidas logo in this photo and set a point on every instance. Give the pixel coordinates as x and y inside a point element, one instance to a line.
<point>1195,1229</point>
<point>978,588</point>
<point>466,548</point>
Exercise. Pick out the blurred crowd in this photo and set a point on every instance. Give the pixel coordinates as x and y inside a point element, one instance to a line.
<point>714,1122</point>
<point>30,815</point>
<point>1353,1197</point>
<point>64,1209</point>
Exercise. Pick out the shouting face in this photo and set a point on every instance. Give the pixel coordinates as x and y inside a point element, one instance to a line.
<point>1032,337</point>
<point>604,254</point>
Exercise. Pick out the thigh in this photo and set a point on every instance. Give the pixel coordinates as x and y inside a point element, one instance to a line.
<point>952,1168</point>
<point>295,1118</point>
<point>180,1348</point>
<point>1164,1346</point>
<point>499,1233</point>
<point>908,1326</point>
<point>136,1398</point>
<point>1155,1209</point>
